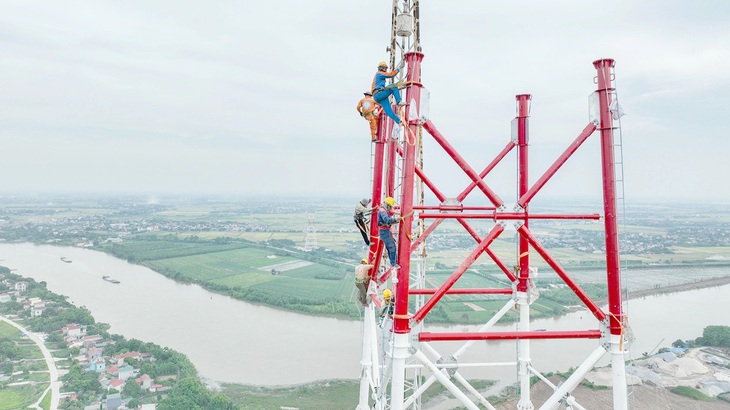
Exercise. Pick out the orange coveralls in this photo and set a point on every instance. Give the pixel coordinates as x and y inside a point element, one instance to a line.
<point>369,109</point>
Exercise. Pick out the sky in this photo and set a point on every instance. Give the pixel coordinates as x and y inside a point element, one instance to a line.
<point>258,98</point>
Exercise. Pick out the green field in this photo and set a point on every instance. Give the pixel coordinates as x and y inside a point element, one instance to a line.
<point>8,331</point>
<point>18,397</point>
<point>244,270</point>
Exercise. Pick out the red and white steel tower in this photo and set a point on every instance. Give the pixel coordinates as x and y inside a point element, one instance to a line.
<point>400,358</point>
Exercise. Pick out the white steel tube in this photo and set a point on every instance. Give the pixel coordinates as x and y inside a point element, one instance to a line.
<point>571,402</point>
<point>419,392</point>
<point>570,384</point>
<point>462,365</point>
<point>397,383</point>
<point>507,307</point>
<point>618,370</point>
<point>541,377</point>
<point>366,363</point>
<point>473,391</point>
<point>450,386</point>
<point>525,402</point>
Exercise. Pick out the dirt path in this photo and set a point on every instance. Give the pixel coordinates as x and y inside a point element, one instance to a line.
<point>640,397</point>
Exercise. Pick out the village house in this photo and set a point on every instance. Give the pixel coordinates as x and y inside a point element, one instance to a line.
<point>94,353</point>
<point>117,384</point>
<point>21,286</point>
<point>91,340</point>
<point>120,357</point>
<point>126,372</point>
<point>5,297</point>
<point>144,381</point>
<point>74,330</point>
<point>98,365</point>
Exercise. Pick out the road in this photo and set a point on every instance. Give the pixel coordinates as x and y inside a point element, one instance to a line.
<point>55,385</point>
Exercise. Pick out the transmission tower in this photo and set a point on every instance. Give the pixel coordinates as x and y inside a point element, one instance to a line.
<point>310,238</point>
<point>400,355</point>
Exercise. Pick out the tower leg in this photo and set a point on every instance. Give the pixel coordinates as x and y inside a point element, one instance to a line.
<point>618,371</point>
<point>397,387</point>
<point>366,363</point>
<point>524,350</point>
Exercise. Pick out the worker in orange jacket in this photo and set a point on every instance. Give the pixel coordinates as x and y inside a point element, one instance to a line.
<point>370,110</point>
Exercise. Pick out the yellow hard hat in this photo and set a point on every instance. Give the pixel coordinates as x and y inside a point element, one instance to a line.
<point>363,260</point>
<point>382,64</point>
<point>390,201</point>
<point>387,294</point>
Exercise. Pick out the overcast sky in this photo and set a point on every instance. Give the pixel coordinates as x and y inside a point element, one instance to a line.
<point>258,97</point>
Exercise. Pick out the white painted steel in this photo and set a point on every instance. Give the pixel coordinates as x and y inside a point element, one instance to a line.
<point>397,384</point>
<point>450,386</point>
<point>473,391</point>
<point>618,370</point>
<point>412,399</point>
<point>576,406</point>
<point>506,308</point>
<point>366,363</point>
<point>577,376</point>
<point>525,402</point>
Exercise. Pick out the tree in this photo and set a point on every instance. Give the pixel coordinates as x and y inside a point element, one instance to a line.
<point>679,343</point>
<point>132,389</point>
<point>716,336</point>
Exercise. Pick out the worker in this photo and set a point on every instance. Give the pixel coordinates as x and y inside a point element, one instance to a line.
<point>388,304</point>
<point>386,218</point>
<point>362,280</point>
<point>370,110</point>
<point>362,213</point>
<point>381,92</point>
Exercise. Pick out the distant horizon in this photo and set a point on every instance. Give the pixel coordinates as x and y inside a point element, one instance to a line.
<point>316,197</point>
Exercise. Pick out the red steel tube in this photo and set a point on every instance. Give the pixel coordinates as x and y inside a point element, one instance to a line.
<point>597,312</point>
<point>587,131</point>
<point>496,200</point>
<point>523,112</point>
<point>533,334</point>
<point>508,216</point>
<point>493,234</point>
<point>487,170</point>
<point>448,208</point>
<point>472,291</point>
<point>401,324</point>
<point>613,268</point>
<point>375,248</point>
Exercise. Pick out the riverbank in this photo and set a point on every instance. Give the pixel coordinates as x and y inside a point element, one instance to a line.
<point>684,287</point>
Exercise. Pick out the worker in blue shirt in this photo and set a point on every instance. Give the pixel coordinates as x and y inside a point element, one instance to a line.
<point>385,220</point>
<point>381,93</point>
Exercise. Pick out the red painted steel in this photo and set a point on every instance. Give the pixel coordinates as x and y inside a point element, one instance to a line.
<point>523,112</point>
<point>587,131</point>
<point>376,248</point>
<point>468,170</point>
<point>506,150</point>
<point>533,334</point>
<point>597,312</point>
<point>453,208</point>
<point>413,97</point>
<point>497,216</point>
<point>493,234</point>
<point>613,268</point>
<point>472,291</point>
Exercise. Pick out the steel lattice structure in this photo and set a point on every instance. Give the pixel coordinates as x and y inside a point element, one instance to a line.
<point>401,361</point>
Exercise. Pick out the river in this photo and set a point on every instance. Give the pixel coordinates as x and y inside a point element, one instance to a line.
<point>238,342</point>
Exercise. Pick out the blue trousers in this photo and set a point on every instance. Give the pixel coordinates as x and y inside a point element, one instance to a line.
<point>381,97</point>
<point>387,237</point>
